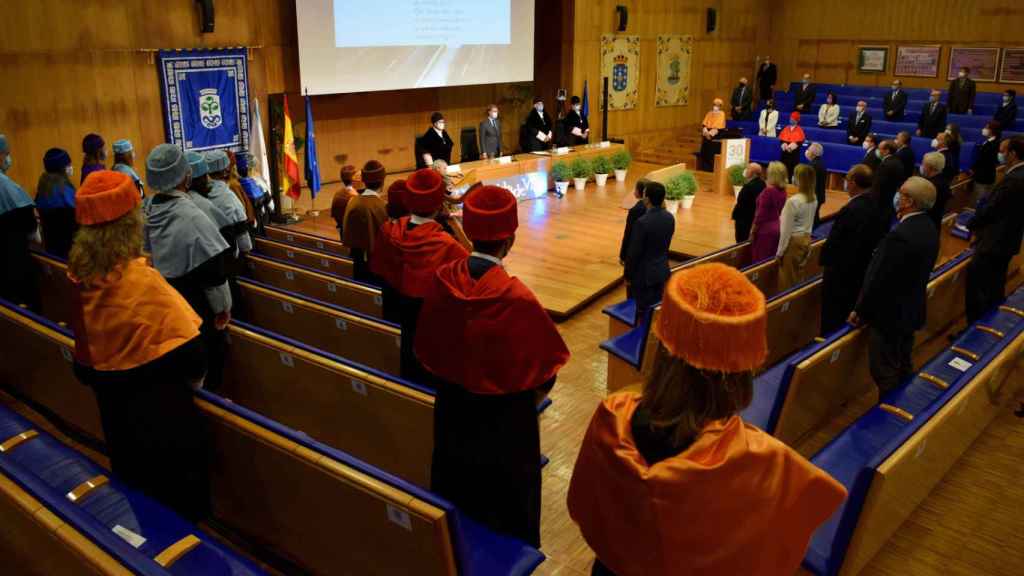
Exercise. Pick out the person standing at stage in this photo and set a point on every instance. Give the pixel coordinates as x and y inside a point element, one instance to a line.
<point>341,198</point>
<point>575,124</point>
<point>490,134</point>
<point>435,144</point>
<point>363,217</point>
<point>746,201</point>
<point>792,138</point>
<point>537,130</point>
<point>634,214</point>
<point>764,234</point>
<point>17,230</point>
<point>138,346</point>
<point>670,480</point>
<point>408,252</point>
<point>494,354</point>
<point>95,150</point>
<point>55,202</point>
<point>647,256</point>
<point>124,162</point>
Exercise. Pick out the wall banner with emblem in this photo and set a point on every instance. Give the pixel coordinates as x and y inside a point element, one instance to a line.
<point>205,95</point>
<point>620,62</point>
<point>674,55</point>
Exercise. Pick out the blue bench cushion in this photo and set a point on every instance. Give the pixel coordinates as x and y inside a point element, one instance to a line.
<point>628,346</point>
<point>624,311</point>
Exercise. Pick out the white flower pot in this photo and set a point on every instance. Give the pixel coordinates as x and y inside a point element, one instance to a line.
<point>620,175</point>
<point>579,183</point>
<point>688,202</point>
<point>561,187</point>
<point>736,191</point>
<point>601,179</point>
<point>672,206</point>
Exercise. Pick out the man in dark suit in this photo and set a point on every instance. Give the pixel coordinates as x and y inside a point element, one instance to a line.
<point>490,134</point>
<point>741,101</point>
<point>634,214</point>
<point>871,159</point>
<point>537,132</point>
<point>767,76</point>
<point>998,227</point>
<point>858,125</point>
<point>895,103</point>
<point>933,117</point>
<point>893,302</point>
<point>905,153</point>
<point>932,166</point>
<point>647,256</point>
<point>847,252</point>
<point>961,93</point>
<point>803,101</point>
<point>888,179</point>
<point>746,202</point>
<point>813,155</point>
<point>941,142</point>
<point>575,124</point>
<point>1006,114</point>
<point>435,143</point>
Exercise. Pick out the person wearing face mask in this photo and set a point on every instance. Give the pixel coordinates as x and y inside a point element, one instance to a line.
<point>961,93</point>
<point>792,138</point>
<point>859,124</point>
<point>895,103</point>
<point>932,166</point>
<point>490,134</point>
<point>17,230</point>
<point>905,153</point>
<point>435,144</point>
<point>537,130</point>
<point>870,146</point>
<point>741,101</point>
<point>55,202</point>
<point>767,75</point>
<point>575,124</point>
<point>986,156</point>
<point>1006,114</point>
<point>828,114</point>
<point>941,145</point>
<point>813,154</point>
<point>894,299</point>
<point>998,228</point>
<point>714,122</point>
<point>768,121</point>
<point>933,116</point>
<point>200,187</point>
<point>805,95</point>
<point>124,162</point>
<point>746,201</point>
<point>888,179</point>
<point>95,151</point>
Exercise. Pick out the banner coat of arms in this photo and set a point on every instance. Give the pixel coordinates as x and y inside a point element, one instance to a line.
<point>674,56</point>
<point>620,62</point>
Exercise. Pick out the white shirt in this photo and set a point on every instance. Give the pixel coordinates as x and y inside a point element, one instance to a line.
<point>369,192</point>
<point>797,219</point>
<point>439,132</point>
<point>1014,167</point>
<point>487,257</point>
<point>417,220</point>
<point>912,214</point>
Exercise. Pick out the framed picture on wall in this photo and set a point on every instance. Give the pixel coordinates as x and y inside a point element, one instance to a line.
<point>872,58</point>
<point>917,61</point>
<point>1012,69</point>
<point>983,63</point>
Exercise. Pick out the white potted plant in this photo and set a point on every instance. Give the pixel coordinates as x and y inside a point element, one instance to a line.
<point>581,172</point>
<point>602,166</point>
<point>620,162</point>
<point>561,173</point>
<point>736,178</point>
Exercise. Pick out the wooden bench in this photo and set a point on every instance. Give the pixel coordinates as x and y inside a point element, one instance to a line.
<point>322,261</point>
<point>344,292</point>
<point>305,240</point>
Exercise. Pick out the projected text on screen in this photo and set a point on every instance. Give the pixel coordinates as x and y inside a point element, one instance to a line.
<point>369,23</point>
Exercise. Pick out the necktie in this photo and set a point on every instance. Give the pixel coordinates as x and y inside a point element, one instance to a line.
<point>492,123</point>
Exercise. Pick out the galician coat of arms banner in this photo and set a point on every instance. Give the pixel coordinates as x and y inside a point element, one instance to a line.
<point>674,55</point>
<point>620,62</point>
<point>206,98</point>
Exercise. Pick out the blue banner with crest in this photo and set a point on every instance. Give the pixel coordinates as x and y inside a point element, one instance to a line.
<point>206,98</point>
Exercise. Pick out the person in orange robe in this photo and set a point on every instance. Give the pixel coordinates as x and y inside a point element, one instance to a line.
<point>408,253</point>
<point>494,354</point>
<point>670,480</point>
<point>714,121</point>
<point>792,137</point>
<point>137,345</point>
<point>340,200</point>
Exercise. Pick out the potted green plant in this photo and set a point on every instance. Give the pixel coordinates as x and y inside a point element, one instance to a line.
<point>620,162</point>
<point>561,172</point>
<point>581,171</point>
<point>602,166</point>
<point>736,178</point>
<point>680,188</point>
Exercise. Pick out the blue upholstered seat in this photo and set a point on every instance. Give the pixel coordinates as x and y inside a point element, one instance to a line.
<point>624,311</point>
<point>628,346</point>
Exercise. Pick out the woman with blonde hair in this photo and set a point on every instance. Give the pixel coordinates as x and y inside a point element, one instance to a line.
<point>764,234</point>
<point>671,480</point>
<point>796,224</point>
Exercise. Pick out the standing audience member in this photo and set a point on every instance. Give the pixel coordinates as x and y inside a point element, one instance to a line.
<point>986,159</point>
<point>696,490</point>
<point>895,103</point>
<point>124,162</point>
<point>767,75</point>
<point>858,126</point>
<point>55,202</point>
<point>200,187</point>
<point>954,141</point>
<point>490,134</point>
<point>138,346</point>
<point>894,298</point>
<point>961,93</point>
<point>813,155</point>
<point>932,170</point>
<point>805,95</point>
<point>188,250</point>
<point>933,116</point>
<point>435,143</point>
<point>486,433</point>
<point>941,145</point>
<point>871,155</point>
<point>1006,114</point>
<point>218,166</point>
<point>742,101</point>
<point>341,198</point>
<point>363,217</point>
<point>828,113</point>
<point>764,234</point>
<point>234,184</point>
<point>998,226</point>
<point>795,225</point>
<point>95,151</point>
<point>905,153</point>
<point>647,255</point>
<point>846,254</point>
<point>888,179</point>
<point>792,137</point>
<point>746,201</point>
<point>768,120</point>
<point>17,230</point>
<point>714,122</point>
<point>634,214</point>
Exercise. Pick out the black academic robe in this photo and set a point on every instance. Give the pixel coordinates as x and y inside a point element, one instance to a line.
<point>536,123</point>
<point>575,120</point>
<point>745,208</point>
<point>16,265</point>
<point>439,146</point>
<point>844,259</point>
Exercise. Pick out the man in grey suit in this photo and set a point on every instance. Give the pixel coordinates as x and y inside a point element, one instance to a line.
<point>490,134</point>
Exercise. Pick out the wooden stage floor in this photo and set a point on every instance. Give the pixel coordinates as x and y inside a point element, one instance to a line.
<point>567,250</point>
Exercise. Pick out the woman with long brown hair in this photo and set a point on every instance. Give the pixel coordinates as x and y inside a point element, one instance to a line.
<point>795,226</point>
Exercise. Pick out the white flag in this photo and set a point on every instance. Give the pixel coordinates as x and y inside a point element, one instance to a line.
<point>259,144</point>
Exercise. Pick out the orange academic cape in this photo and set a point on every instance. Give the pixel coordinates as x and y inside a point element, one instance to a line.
<point>737,501</point>
<point>129,318</point>
<point>407,259</point>
<point>792,134</point>
<point>714,120</point>
<point>489,335</point>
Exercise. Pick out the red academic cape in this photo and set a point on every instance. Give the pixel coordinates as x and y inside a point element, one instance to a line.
<point>407,259</point>
<point>737,501</point>
<point>791,134</point>
<point>490,335</point>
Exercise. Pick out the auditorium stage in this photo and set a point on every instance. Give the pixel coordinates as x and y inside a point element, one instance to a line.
<point>567,250</point>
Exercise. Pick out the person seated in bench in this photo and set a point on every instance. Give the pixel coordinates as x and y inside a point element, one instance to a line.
<point>188,250</point>
<point>494,354</point>
<point>409,251</point>
<point>768,120</point>
<point>828,114</point>
<point>670,480</point>
<point>138,346</point>
<point>894,298</point>
<point>363,218</point>
<point>792,137</point>
<point>341,198</point>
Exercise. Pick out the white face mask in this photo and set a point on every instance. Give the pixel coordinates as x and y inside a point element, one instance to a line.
<point>935,143</point>
<point>577,107</point>
<point>860,110</point>
<point>440,125</point>
<point>806,81</point>
<point>70,170</point>
<point>1006,99</point>
<point>538,107</point>
<point>866,145</point>
<point>716,108</point>
<point>962,75</point>
<point>986,132</point>
<point>494,114</point>
<point>895,88</point>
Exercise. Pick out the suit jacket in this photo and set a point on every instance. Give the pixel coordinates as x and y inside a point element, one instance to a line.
<point>490,137</point>
<point>858,129</point>
<point>537,123</point>
<point>1006,115</point>
<point>952,167</point>
<point>575,120</point>
<point>895,103</point>
<point>871,159</point>
<point>888,179</point>
<point>961,95</point>
<point>438,146</point>
<point>986,159</point>
<point>647,256</point>
<point>999,223</point>
<point>942,195</point>
<point>932,122</point>
<point>895,293</point>
<point>805,95</point>
<point>746,206</point>
<point>742,97</point>
<point>820,179</point>
<point>635,213</point>
<point>767,76</point>
<point>906,156</point>
<point>855,233</point>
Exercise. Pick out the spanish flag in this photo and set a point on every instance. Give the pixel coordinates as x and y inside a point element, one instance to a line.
<point>290,174</point>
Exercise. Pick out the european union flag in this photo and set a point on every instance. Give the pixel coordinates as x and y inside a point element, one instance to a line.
<point>312,164</point>
<point>586,100</point>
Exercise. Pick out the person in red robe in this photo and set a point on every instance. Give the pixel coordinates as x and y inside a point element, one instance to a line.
<point>792,138</point>
<point>670,480</point>
<point>409,251</point>
<point>494,354</point>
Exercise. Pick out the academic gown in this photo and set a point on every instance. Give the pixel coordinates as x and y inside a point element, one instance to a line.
<point>126,169</point>
<point>259,196</point>
<point>364,216</point>
<point>17,224</point>
<point>57,216</point>
<point>536,122</point>
<point>493,352</point>
<point>89,169</point>
<point>439,146</point>
<point>573,120</point>
<point>791,135</point>
<point>138,346</point>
